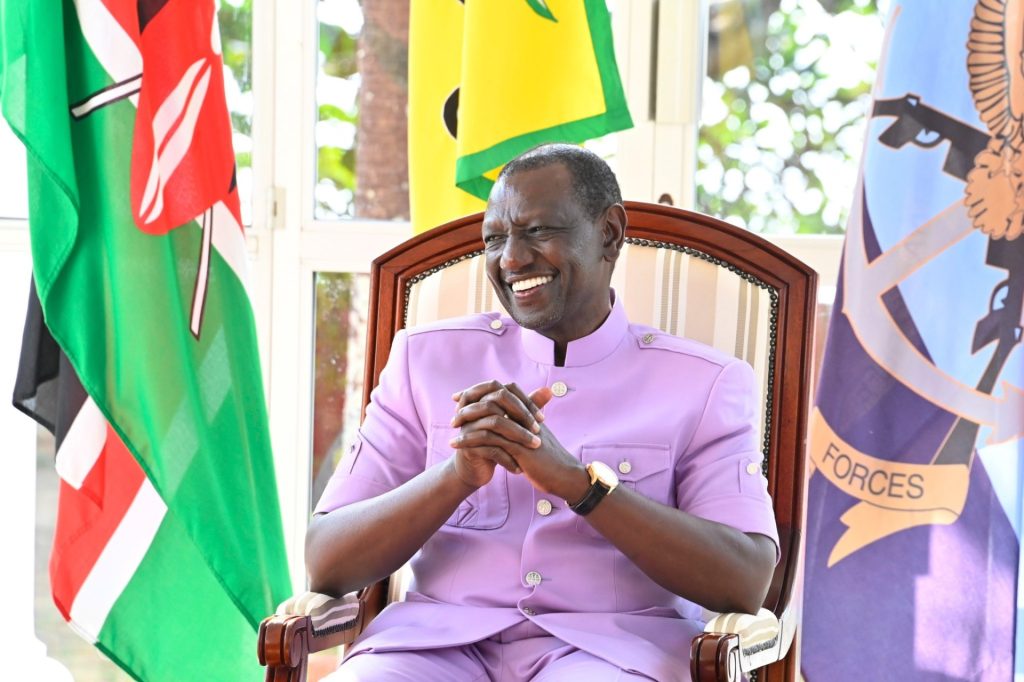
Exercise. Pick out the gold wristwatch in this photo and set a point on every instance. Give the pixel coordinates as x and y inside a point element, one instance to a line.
<point>603,480</point>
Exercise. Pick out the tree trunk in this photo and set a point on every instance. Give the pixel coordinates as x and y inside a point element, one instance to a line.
<point>382,159</point>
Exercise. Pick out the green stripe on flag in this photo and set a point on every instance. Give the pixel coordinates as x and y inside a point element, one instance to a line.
<point>172,603</point>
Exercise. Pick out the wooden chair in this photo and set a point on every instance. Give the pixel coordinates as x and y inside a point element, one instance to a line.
<point>687,274</point>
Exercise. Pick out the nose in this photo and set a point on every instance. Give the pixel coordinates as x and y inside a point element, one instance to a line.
<point>515,253</point>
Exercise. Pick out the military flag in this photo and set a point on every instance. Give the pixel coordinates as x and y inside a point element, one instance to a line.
<point>914,512</point>
<point>169,547</point>
<point>489,80</point>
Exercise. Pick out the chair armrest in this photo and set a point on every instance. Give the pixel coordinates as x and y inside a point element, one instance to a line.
<point>308,623</point>
<point>735,643</point>
<point>327,616</point>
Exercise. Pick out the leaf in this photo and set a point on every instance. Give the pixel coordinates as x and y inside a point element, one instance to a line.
<point>541,8</point>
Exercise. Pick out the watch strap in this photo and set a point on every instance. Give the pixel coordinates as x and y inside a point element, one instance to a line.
<point>595,493</point>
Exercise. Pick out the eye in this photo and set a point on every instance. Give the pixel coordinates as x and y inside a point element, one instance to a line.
<point>493,239</point>
<point>538,229</point>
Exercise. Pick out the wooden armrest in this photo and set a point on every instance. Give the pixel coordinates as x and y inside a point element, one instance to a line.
<point>312,622</point>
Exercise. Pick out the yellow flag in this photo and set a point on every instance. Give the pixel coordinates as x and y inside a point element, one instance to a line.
<point>489,80</point>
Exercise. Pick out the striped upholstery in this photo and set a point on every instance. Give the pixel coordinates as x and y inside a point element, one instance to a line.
<point>328,614</point>
<point>675,291</point>
<point>756,629</point>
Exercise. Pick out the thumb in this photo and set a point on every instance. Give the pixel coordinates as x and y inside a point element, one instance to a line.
<point>541,396</point>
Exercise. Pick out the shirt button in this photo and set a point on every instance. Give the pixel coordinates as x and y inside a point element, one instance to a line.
<point>752,468</point>
<point>647,338</point>
<point>495,324</point>
<point>533,578</point>
<point>543,507</point>
<point>625,467</point>
<point>528,611</point>
<point>559,388</point>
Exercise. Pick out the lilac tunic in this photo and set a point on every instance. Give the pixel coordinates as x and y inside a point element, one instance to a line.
<point>675,418</point>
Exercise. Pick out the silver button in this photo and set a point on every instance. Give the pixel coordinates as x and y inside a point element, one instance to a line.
<point>625,467</point>
<point>543,507</point>
<point>559,388</point>
<point>495,324</point>
<point>528,611</point>
<point>533,578</point>
<point>752,468</point>
<point>647,338</point>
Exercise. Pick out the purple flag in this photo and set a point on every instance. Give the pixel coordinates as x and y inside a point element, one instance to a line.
<point>914,509</point>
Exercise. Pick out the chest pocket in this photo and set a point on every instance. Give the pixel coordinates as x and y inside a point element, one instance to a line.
<point>485,509</point>
<point>644,467</point>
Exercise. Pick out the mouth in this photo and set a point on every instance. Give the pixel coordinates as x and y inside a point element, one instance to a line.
<point>526,287</point>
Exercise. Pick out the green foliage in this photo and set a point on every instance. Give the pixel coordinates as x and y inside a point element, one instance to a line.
<point>337,108</point>
<point>338,51</point>
<point>337,166</point>
<point>235,19</point>
<point>236,42</point>
<point>334,330</point>
<point>781,132</point>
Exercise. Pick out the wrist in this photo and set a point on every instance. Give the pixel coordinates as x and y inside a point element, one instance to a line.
<point>578,485</point>
<point>603,481</point>
<point>455,478</point>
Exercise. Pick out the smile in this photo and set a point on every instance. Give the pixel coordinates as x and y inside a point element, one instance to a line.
<point>532,283</point>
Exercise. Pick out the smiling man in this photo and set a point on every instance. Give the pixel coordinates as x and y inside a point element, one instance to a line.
<point>571,488</point>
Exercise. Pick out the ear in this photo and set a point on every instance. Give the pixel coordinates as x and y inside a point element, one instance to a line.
<point>614,227</point>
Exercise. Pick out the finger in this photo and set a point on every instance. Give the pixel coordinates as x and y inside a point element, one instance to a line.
<point>494,454</point>
<point>495,430</point>
<point>475,411</point>
<point>514,408</point>
<point>475,392</point>
<point>541,397</point>
<point>530,405</point>
<point>502,402</point>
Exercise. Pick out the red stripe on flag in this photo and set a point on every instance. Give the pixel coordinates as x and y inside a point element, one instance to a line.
<point>87,518</point>
<point>126,12</point>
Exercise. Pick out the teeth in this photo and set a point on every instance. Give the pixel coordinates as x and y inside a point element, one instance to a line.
<point>525,284</point>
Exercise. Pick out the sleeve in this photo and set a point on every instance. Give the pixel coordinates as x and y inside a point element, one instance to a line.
<point>391,445</point>
<point>719,474</point>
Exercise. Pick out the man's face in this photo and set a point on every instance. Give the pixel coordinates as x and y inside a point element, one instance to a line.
<point>547,260</point>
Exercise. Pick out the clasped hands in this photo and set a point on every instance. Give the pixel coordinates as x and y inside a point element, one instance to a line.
<point>500,425</point>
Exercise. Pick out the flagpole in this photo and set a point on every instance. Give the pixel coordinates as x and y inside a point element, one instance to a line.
<point>18,500</point>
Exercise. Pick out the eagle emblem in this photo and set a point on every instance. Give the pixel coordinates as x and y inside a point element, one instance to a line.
<point>994,195</point>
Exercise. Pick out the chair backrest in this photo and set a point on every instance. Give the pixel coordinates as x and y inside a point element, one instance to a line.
<point>685,273</point>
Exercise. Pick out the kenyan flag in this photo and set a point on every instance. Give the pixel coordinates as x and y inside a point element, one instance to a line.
<point>169,547</point>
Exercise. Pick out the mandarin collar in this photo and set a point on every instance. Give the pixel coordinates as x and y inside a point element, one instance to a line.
<point>592,348</point>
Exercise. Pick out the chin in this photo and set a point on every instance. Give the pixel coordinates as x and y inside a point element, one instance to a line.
<point>535,321</point>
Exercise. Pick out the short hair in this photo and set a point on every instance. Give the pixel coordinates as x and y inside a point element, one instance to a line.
<point>594,185</point>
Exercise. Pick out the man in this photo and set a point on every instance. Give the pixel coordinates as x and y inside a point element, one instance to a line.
<point>533,561</point>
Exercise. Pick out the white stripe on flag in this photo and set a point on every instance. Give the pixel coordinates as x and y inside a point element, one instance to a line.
<point>118,562</point>
<point>229,240</point>
<point>113,47</point>
<point>82,445</point>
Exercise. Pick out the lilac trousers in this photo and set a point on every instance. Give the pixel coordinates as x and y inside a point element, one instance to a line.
<point>521,653</point>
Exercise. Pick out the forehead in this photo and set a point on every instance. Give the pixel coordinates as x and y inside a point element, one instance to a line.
<point>539,195</point>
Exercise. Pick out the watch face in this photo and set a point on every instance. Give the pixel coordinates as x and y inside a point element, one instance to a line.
<point>605,474</point>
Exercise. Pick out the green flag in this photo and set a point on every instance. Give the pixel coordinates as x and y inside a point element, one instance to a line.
<point>169,546</point>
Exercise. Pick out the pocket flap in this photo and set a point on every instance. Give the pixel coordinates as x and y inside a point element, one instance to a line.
<point>630,461</point>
